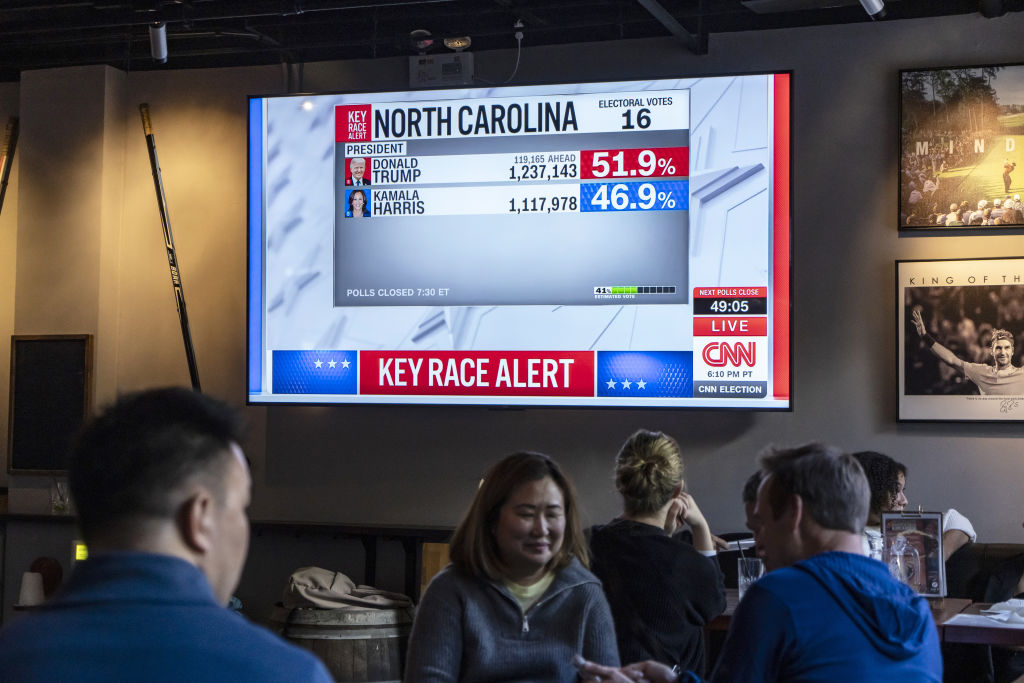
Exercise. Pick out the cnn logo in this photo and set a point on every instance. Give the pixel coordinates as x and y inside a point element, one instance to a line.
<point>720,354</point>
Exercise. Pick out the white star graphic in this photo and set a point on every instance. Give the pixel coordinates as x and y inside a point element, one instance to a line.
<point>640,384</point>
<point>626,384</point>
<point>345,364</point>
<point>611,384</point>
<point>332,364</point>
<point>319,363</point>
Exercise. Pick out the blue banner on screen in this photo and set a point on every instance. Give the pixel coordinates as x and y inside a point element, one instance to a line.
<point>314,372</point>
<point>657,374</point>
<point>664,195</point>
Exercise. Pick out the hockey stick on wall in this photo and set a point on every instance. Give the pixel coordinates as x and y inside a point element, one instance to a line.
<point>6,155</point>
<point>172,257</point>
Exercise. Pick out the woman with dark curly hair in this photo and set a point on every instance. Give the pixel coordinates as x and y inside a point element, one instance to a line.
<point>884,478</point>
<point>884,475</point>
<point>887,480</point>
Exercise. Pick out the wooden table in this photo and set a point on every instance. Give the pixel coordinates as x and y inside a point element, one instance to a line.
<point>946,608</point>
<point>994,634</point>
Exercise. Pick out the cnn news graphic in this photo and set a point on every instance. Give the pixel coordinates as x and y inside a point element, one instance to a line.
<point>586,244</point>
<point>961,339</point>
<point>961,137</point>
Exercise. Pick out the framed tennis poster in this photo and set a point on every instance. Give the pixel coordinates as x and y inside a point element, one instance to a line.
<point>960,338</point>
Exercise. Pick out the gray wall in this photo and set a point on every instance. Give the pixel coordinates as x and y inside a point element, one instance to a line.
<point>421,465</point>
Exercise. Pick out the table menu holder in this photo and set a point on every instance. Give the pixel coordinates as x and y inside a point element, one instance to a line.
<point>912,549</point>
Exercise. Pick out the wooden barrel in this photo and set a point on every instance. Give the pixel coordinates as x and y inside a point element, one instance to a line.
<point>354,644</point>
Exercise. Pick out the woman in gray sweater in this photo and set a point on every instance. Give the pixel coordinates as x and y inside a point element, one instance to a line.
<point>517,601</point>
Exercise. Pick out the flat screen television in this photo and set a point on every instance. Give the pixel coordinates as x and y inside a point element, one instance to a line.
<point>583,244</point>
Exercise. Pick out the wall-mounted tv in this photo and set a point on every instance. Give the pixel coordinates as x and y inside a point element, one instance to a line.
<point>584,244</point>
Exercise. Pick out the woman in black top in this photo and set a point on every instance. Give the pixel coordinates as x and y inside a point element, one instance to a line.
<point>662,590</point>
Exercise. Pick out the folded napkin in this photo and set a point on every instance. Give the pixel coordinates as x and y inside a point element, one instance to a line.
<point>1012,605</point>
<point>1009,611</point>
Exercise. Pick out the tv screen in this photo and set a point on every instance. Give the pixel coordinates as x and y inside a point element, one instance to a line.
<point>586,244</point>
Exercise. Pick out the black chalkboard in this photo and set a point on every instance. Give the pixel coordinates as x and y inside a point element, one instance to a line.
<point>50,391</point>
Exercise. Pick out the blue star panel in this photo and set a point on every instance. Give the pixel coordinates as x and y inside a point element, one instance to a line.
<point>654,374</point>
<point>311,372</point>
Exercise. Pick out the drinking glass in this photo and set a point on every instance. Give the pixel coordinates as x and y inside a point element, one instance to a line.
<point>748,570</point>
<point>875,547</point>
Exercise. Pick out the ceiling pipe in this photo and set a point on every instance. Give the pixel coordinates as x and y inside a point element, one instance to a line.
<point>697,44</point>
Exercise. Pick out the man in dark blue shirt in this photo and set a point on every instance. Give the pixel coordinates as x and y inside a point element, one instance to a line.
<point>161,487</point>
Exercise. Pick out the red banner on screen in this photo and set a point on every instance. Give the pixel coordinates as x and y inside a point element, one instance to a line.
<point>724,292</point>
<point>638,164</point>
<point>352,123</point>
<point>477,373</point>
<point>730,327</point>
<point>780,240</point>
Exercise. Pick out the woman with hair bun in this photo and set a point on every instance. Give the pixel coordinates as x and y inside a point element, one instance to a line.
<point>517,602</point>
<point>662,590</point>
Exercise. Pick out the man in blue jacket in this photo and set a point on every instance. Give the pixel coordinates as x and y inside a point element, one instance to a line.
<point>824,612</point>
<point>161,488</point>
